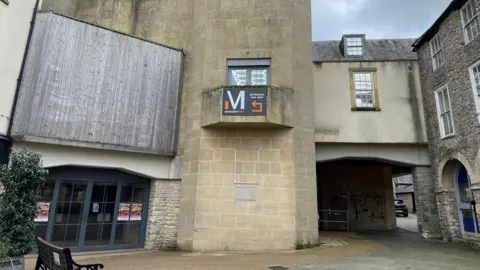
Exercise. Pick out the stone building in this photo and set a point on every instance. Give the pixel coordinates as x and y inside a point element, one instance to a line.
<point>146,146</point>
<point>216,125</point>
<point>449,54</point>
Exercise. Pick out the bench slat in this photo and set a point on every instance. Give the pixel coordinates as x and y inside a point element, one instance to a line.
<point>52,257</point>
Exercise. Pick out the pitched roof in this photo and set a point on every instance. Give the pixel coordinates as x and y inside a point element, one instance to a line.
<point>374,50</point>
<point>433,30</point>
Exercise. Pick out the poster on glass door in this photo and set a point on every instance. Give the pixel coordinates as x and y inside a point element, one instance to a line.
<point>129,212</point>
<point>136,213</point>
<point>123,212</point>
<point>43,211</point>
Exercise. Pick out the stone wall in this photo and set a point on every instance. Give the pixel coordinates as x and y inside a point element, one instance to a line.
<point>454,72</point>
<point>163,213</point>
<point>464,145</point>
<point>212,216</point>
<point>427,211</point>
<point>447,210</point>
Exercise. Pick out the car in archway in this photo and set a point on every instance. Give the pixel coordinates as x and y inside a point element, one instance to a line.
<point>401,208</point>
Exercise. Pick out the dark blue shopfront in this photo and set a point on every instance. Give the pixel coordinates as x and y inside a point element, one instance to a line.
<point>89,209</point>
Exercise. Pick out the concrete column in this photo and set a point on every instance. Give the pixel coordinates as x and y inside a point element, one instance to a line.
<point>163,214</point>
<point>425,198</point>
<point>390,217</point>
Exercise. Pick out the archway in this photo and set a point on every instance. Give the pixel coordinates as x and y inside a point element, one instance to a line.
<point>455,177</point>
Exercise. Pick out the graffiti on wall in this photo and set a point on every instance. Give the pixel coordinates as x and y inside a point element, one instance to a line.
<point>368,205</point>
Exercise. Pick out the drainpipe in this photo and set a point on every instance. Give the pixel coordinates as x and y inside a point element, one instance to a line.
<point>7,142</point>
<point>474,207</point>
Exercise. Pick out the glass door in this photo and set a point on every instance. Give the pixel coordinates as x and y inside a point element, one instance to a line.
<point>43,211</point>
<point>468,218</point>
<point>101,214</point>
<point>67,220</point>
<point>129,218</point>
<point>85,214</point>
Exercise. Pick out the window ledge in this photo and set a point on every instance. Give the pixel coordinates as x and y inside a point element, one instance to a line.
<point>471,40</point>
<point>5,1</point>
<point>448,137</point>
<point>438,68</point>
<point>366,109</point>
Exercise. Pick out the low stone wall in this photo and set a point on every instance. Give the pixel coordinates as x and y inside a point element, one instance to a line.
<point>447,211</point>
<point>163,215</point>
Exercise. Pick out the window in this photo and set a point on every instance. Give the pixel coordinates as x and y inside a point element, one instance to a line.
<point>470,21</point>
<point>248,72</point>
<point>363,89</point>
<point>354,46</point>
<point>475,78</point>
<point>436,50</point>
<point>444,112</point>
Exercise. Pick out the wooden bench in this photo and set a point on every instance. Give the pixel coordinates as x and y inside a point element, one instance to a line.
<point>51,257</point>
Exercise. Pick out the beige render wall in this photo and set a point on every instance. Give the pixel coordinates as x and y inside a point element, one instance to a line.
<point>401,119</point>
<point>14,27</point>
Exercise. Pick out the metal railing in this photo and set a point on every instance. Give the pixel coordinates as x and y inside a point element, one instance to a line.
<point>335,212</point>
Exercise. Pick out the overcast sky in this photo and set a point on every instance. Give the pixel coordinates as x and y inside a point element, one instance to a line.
<point>375,18</point>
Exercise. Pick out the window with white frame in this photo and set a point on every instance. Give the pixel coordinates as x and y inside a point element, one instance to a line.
<point>436,50</point>
<point>364,89</point>
<point>354,46</point>
<point>444,112</point>
<point>470,24</point>
<point>248,71</point>
<point>475,77</point>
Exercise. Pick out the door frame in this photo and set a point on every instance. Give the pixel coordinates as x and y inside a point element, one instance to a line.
<point>462,205</point>
<point>90,176</point>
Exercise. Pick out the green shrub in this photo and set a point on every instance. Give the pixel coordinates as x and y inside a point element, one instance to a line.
<point>21,179</point>
<point>307,245</point>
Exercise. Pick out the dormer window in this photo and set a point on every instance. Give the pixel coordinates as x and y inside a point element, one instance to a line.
<point>354,46</point>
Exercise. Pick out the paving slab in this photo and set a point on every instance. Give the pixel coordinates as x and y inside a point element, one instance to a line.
<point>406,251</point>
<point>398,250</point>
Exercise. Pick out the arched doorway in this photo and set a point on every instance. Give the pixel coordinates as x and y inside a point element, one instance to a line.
<point>464,197</point>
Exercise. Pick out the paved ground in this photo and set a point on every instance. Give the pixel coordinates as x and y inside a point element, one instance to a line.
<point>408,223</point>
<point>405,250</point>
<point>399,250</point>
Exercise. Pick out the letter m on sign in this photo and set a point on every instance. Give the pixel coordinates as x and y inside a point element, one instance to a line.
<point>240,100</point>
